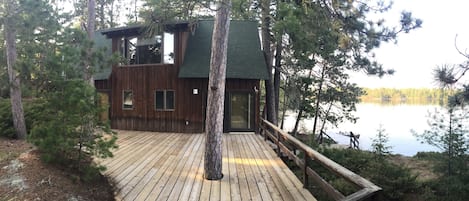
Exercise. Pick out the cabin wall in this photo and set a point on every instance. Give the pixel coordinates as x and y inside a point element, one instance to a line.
<point>102,85</point>
<point>143,81</point>
<point>189,113</point>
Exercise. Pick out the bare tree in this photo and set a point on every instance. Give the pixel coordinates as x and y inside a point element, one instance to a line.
<point>11,9</point>
<point>216,93</point>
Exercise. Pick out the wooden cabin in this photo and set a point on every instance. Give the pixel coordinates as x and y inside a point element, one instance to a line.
<point>161,82</point>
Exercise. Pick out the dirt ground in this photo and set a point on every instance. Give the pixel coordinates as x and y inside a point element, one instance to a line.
<point>23,176</point>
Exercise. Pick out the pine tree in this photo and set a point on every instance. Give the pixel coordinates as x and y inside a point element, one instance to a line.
<point>324,41</point>
<point>216,93</point>
<point>10,23</point>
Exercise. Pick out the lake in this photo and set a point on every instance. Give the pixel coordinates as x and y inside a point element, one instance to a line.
<point>397,120</point>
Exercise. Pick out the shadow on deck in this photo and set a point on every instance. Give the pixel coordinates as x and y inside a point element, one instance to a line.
<point>169,166</point>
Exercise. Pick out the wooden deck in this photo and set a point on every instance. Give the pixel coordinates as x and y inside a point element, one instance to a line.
<point>169,166</point>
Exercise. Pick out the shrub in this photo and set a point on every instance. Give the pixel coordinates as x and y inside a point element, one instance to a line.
<point>70,131</point>
<point>33,110</point>
<point>398,183</point>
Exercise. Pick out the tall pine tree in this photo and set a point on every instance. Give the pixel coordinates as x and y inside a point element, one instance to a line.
<point>216,93</point>
<point>10,24</point>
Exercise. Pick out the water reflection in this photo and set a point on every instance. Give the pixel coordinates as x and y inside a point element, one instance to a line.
<point>397,120</point>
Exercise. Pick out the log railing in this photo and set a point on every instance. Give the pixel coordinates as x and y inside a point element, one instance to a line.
<point>281,138</point>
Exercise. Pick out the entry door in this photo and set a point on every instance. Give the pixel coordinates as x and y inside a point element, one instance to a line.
<point>241,111</point>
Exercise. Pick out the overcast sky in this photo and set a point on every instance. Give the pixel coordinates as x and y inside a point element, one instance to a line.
<point>417,53</point>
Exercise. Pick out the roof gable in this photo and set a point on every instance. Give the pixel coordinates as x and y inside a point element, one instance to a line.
<point>245,59</point>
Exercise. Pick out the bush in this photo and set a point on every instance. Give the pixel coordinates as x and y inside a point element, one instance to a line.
<point>6,121</point>
<point>398,183</point>
<point>33,110</point>
<point>70,132</point>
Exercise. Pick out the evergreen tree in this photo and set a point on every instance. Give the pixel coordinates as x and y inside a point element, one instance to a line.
<point>449,132</point>
<point>379,144</point>
<point>66,138</point>
<point>216,93</point>
<point>10,23</point>
<point>325,41</point>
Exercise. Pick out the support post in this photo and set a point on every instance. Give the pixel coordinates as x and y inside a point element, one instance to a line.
<point>306,161</point>
<point>278,142</point>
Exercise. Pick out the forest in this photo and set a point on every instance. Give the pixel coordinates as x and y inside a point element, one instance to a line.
<point>48,57</point>
<point>414,96</point>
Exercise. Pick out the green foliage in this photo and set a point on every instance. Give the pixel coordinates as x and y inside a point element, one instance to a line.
<point>325,42</point>
<point>379,144</point>
<point>32,109</point>
<point>448,132</point>
<point>161,11</point>
<point>69,131</point>
<point>407,96</point>
<point>6,121</point>
<point>398,183</point>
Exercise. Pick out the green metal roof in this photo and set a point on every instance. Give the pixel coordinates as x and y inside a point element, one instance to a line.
<point>245,58</point>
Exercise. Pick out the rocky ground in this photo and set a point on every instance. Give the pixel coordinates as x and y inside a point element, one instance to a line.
<point>23,176</point>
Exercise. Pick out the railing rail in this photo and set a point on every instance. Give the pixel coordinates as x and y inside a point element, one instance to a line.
<point>279,137</point>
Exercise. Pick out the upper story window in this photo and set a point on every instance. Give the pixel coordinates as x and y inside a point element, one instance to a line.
<point>148,50</point>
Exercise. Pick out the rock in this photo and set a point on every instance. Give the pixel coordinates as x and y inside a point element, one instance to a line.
<point>14,166</point>
<point>14,181</point>
<point>12,178</point>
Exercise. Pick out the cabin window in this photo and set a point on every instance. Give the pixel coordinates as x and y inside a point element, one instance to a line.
<point>148,50</point>
<point>168,48</point>
<point>164,100</point>
<point>127,100</point>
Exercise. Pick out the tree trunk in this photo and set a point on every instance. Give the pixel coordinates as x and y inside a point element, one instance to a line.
<point>278,59</point>
<point>278,63</point>
<point>88,71</point>
<point>216,93</point>
<point>324,121</point>
<point>297,122</point>
<point>301,108</point>
<point>269,85</point>
<point>318,100</point>
<point>285,100</point>
<point>13,77</point>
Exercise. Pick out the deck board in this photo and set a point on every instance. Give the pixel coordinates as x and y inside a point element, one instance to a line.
<point>169,166</point>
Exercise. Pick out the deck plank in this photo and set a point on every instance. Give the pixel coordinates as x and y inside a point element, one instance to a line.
<point>225,192</point>
<point>178,176</point>
<point>163,167</point>
<point>168,177</point>
<point>261,170</point>
<point>169,166</point>
<point>151,171</point>
<point>133,179</point>
<point>234,182</point>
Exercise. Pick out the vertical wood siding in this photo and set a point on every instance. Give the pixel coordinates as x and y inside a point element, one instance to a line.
<point>143,81</point>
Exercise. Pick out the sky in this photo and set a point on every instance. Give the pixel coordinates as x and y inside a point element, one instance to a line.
<point>417,53</point>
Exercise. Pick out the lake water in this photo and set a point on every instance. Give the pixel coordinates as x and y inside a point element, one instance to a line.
<point>397,120</point>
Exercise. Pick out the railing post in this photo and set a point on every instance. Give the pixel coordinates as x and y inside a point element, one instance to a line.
<point>278,142</point>
<point>306,161</point>
<point>264,128</point>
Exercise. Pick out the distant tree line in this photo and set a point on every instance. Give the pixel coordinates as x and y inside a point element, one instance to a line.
<point>434,96</point>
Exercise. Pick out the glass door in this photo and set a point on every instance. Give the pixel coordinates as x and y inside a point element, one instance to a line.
<point>241,111</point>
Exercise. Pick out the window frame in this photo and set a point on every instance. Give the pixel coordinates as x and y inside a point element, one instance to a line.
<point>123,99</point>
<point>165,104</point>
<point>125,49</point>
